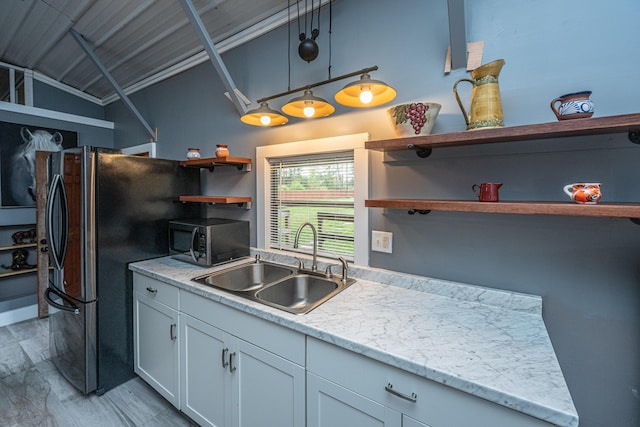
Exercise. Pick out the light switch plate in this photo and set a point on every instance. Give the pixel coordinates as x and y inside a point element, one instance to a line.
<point>382,241</point>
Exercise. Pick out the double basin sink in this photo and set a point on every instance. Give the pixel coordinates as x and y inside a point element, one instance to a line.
<point>288,288</point>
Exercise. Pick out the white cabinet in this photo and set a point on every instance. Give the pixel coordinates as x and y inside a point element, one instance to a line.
<point>348,382</point>
<point>203,374</point>
<point>237,370</point>
<point>410,422</point>
<point>267,390</point>
<point>226,368</point>
<point>155,336</point>
<point>331,405</point>
<point>218,365</point>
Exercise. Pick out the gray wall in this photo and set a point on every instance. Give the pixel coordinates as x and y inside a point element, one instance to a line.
<point>586,269</point>
<point>52,98</point>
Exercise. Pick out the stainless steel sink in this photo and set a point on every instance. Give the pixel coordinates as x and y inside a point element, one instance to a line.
<point>277,285</point>
<point>246,277</point>
<point>300,293</point>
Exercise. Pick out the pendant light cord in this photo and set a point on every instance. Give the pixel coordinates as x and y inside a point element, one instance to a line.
<point>318,14</point>
<point>306,10</point>
<point>289,42</point>
<point>330,32</point>
<point>311,21</point>
<point>298,6</point>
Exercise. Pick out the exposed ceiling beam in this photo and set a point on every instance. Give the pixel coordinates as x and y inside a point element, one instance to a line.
<point>87,49</point>
<point>167,33</point>
<point>457,34</point>
<point>214,56</point>
<point>58,31</point>
<point>97,43</point>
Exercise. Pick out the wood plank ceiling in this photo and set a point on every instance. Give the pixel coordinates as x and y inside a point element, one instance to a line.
<point>135,39</point>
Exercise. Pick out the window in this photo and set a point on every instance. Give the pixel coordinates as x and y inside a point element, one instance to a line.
<point>324,182</point>
<point>314,189</point>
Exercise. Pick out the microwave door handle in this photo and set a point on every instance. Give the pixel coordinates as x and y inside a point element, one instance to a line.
<point>191,249</point>
<point>58,252</point>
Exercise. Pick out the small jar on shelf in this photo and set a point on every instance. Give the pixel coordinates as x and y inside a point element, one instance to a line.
<point>222,150</point>
<point>193,153</point>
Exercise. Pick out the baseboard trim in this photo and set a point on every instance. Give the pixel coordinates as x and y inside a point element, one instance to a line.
<point>18,315</point>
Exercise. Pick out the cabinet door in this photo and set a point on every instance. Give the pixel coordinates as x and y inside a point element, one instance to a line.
<point>205,373</point>
<point>268,390</point>
<point>156,346</point>
<point>410,422</point>
<point>330,405</point>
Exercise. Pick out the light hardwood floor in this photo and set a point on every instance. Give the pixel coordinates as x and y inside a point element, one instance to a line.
<point>33,393</point>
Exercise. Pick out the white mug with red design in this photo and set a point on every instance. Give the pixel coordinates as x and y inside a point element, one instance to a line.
<point>588,193</point>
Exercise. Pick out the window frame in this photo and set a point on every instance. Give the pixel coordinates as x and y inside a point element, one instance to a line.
<point>342,143</point>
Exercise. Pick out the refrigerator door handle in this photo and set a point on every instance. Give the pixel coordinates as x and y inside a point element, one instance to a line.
<point>73,308</point>
<point>191,249</point>
<point>58,249</point>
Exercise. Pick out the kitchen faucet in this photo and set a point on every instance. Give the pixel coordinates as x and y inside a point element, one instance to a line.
<point>345,269</point>
<point>314,266</point>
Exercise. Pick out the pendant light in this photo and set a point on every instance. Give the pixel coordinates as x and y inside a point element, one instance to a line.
<point>349,96</point>
<point>308,48</point>
<point>365,92</point>
<point>263,116</point>
<point>308,106</point>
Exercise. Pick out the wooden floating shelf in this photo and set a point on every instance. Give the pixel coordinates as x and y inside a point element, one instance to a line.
<point>614,210</point>
<point>19,246</point>
<point>221,200</point>
<point>566,128</point>
<point>18,272</point>
<point>210,162</point>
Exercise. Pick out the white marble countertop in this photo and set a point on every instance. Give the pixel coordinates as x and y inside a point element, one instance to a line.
<point>489,343</point>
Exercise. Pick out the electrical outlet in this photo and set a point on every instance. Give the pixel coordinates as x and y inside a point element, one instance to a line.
<point>382,241</point>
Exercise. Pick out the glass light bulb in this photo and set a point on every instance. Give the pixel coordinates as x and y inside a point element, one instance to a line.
<point>365,95</point>
<point>265,120</point>
<point>309,111</point>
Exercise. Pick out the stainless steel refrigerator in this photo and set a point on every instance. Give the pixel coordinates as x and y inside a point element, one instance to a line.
<point>105,210</point>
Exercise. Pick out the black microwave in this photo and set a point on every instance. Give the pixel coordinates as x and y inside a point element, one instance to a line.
<point>208,241</point>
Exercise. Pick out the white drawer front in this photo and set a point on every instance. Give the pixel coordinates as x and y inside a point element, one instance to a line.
<point>269,336</point>
<point>427,401</point>
<point>156,290</point>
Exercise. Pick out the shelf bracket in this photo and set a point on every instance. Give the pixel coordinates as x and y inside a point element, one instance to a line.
<point>241,168</point>
<point>420,211</point>
<point>636,221</point>
<point>634,136</point>
<point>247,205</point>
<point>421,152</point>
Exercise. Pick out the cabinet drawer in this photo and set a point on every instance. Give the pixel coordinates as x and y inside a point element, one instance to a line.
<point>427,401</point>
<point>264,334</point>
<point>158,291</point>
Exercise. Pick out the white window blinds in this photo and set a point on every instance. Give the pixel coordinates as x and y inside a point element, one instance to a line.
<point>316,189</point>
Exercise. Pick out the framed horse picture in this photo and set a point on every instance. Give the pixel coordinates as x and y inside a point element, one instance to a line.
<point>18,146</point>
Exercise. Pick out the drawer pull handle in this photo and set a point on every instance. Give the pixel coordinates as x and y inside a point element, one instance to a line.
<point>172,332</point>
<point>411,398</point>
<point>231,367</point>
<point>152,290</point>
<point>224,356</point>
